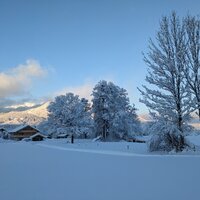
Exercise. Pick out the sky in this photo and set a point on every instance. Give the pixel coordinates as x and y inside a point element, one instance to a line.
<point>50,47</point>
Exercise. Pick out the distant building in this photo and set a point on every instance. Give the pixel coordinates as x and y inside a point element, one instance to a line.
<point>2,129</point>
<point>37,137</point>
<point>62,135</point>
<point>26,131</point>
<point>3,132</point>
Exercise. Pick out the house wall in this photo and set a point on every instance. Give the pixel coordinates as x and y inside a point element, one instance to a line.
<point>24,133</point>
<point>37,138</point>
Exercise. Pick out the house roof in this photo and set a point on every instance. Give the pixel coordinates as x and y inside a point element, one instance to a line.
<point>63,134</point>
<point>21,128</point>
<point>32,136</point>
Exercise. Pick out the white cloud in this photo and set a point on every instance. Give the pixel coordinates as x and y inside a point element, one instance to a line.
<point>25,104</point>
<point>84,91</point>
<point>18,80</point>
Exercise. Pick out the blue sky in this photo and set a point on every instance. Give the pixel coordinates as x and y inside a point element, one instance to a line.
<point>75,43</point>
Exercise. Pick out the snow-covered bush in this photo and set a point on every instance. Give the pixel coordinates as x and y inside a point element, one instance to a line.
<point>167,137</point>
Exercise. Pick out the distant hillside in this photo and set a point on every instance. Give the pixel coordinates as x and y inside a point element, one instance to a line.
<point>39,113</point>
<point>31,116</point>
<point>144,118</point>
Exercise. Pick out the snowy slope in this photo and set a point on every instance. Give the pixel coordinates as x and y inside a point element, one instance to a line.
<point>145,118</point>
<point>31,116</point>
<point>44,170</point>
<point>40,111</point>
<point>38,114</point>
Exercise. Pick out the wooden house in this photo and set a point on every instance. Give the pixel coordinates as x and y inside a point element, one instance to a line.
<point>26,131</point>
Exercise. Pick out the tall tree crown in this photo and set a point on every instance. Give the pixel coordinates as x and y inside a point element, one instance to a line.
<point>169,98</point>
<point>70,114</point>
<point>113,114</point>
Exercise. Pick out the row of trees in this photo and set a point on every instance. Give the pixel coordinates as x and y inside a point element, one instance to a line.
<point>173,73</point>
<point>172,95</point>
<point>111,115</point>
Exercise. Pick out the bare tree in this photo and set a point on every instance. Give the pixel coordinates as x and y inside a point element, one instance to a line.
<point>192,70</point>
<point>169,97</point>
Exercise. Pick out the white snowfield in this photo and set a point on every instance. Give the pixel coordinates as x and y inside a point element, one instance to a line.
<point>56,170</point>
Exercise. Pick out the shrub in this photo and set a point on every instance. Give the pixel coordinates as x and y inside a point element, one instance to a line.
<point>167,138</point>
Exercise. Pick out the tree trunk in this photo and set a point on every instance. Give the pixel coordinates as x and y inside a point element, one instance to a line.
<point>199,113</point>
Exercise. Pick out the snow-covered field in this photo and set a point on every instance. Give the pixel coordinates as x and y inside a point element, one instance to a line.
<point>57,170</point>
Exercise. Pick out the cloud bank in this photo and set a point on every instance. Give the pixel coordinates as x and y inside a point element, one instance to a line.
<point>18,80</point>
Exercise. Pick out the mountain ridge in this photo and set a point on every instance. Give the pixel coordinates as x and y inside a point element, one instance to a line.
<point>32,116</point>
<point>39,113</point>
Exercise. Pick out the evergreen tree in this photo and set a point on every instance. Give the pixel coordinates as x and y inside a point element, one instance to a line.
<point>114,117</point>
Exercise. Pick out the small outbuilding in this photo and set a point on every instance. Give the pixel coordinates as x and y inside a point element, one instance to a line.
<point>62,135</point>
<point>37,137</point>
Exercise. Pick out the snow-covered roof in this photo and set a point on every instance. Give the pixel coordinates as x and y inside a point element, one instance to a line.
<point>21,128</point>
<point>32,136</point>
<point>63,134</point>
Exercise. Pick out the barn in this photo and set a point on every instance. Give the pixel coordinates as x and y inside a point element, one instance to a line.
<point>26,131</point>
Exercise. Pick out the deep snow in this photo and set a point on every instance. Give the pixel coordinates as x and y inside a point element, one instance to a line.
<point>56,170</point>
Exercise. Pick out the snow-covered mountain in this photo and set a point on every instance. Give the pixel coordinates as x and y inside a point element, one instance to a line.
<point>144,118</point>
<point>32,116</point>
<point>195,122</point>
<point>38,114</point>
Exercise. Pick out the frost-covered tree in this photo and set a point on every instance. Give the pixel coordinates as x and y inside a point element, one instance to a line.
<point>114,117</point>
<point>167,138</point>
<point>70,114</point>
<point>192,69</point>
<point>169,97</point>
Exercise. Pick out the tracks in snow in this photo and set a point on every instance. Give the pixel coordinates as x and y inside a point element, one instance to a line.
<point>94,151</point>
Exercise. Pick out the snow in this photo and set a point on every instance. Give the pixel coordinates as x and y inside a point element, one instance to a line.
<point>69,114</point>
<point>195,139</point>
<point>88,145</point>
<point>114,116</point>
<point>18,128</point>
<point>86,170</point>
<point>32,116</point>
<point>38,134</point>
